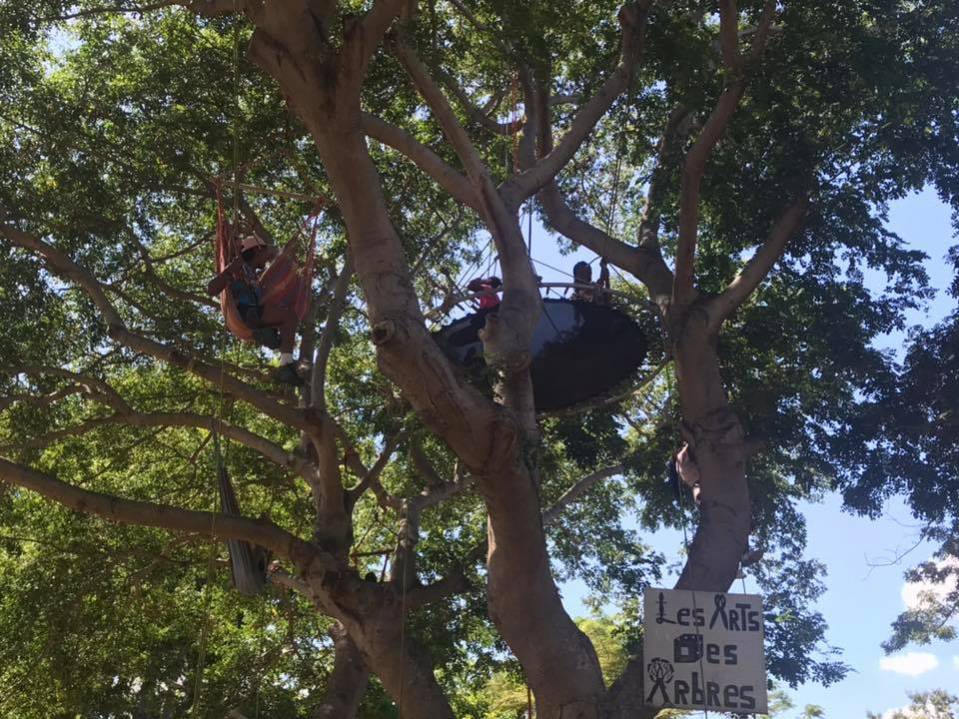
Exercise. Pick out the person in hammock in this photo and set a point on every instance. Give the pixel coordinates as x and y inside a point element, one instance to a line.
<point>590,291</point>
<point>243,278</point>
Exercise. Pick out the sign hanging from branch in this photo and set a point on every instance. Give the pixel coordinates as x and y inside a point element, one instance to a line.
<point>704,650</point>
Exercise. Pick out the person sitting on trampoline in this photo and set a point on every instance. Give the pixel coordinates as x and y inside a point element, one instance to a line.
<point>590,291</point>
<point>487,287</point>
<point>267,321</point>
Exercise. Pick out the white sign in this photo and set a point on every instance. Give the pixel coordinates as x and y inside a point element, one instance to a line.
<point>704,650</point>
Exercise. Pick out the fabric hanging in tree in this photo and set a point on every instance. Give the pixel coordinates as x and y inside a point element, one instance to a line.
<point>248,563</point>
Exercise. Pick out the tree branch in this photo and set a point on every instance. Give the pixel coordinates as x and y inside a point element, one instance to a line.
<point>370,478</point>
<point>648,233</point>
<point>333,314</point>
<point>103,391</point>
<point>110,10</point>
<point>62,265</point>
<point>266,534</point>
<point>759,265</point>
<point>582,486</point>
<point>476,114</point>
<point>453,583</point>
<point>645,263</point>
<point>422,156</point>
<point>633,20</point>
<point>712,132</point>
<point>270,450</point>
<point>441,109</point>
<point>373,27</point>
<point>729,34</point>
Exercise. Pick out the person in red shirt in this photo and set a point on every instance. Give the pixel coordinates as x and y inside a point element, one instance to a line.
<point>487,288</point>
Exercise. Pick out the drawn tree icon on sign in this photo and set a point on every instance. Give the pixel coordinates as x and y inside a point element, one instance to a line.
<point>660,671</point>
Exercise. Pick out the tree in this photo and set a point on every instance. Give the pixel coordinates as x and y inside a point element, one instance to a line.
<point>936,704</point>
<point>771,131</point>
<point>918,459</point>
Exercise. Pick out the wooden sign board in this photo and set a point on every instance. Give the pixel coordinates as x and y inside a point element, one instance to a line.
<point>704,650</point>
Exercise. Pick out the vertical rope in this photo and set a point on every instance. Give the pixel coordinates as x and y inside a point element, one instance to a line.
<point>403,578</point>
<point>236,117</point>
<point>620,151</point>
<point>692,593</point>
<point>210,571</point>
<point>205,627</point>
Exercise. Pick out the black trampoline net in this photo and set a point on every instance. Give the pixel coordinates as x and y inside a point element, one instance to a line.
<point>581,351</point>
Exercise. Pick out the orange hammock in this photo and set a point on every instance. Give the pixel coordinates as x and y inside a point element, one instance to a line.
<point>283,283</point>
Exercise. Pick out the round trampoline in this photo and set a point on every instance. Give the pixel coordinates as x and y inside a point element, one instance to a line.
<point>581,351</point>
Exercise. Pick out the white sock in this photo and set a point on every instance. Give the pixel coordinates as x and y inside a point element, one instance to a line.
<point>286,358</point>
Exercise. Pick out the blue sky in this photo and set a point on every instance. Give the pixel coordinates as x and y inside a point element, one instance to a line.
<point>864,589</point>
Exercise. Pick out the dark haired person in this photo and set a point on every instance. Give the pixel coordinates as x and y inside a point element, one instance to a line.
<point>487,288</point>
<point>243,278</point>
<point>590,291</point>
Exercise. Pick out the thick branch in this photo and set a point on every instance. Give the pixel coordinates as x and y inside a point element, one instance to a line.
<point>729,34</point>
<point>423,157</point>
<point>260,532</point>
<point>64,266</point>
<point>441,109</point>
<point>453,583</point>
<point>347,682</point>
<point>373,27</point>
<point>693,170</point>
<point>759,265</point>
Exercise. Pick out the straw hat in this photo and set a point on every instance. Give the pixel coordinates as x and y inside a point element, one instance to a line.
<point>251,241</point>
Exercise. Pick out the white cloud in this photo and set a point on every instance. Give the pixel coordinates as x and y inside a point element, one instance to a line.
<point>911,663</point>
<point>912,592</point>
<point>955,662</point>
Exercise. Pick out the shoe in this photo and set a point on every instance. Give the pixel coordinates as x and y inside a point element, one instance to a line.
<point>286,374</point>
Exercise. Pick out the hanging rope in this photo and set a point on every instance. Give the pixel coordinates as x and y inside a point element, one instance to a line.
<point>403,580</point>
<point>620,151</point>
<point>210,571</point>
<point>682,516</point>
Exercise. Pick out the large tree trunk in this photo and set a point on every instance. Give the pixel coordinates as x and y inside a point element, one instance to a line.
<point>347,682</point>
<point>716,435</point>
<point>524,603</point>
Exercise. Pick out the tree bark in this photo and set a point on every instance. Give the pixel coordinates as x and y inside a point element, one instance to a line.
<point>716,436</point>
<point>347,682</point>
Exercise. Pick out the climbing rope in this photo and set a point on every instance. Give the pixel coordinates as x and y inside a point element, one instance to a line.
<point>218,455</point>
<point>692,593</point>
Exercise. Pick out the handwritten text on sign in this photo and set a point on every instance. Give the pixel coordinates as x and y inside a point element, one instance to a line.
<point>704,650</point>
